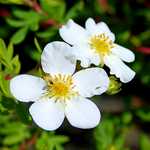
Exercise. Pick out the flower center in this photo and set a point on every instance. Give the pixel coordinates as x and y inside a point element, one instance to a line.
<point>60,87</point>
<point>101,44</point>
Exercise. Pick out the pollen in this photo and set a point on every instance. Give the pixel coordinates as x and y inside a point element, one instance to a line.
<point>101,44</point>
<point>60,87</point>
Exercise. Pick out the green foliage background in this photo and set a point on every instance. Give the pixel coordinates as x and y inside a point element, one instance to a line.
<point>25,28</point>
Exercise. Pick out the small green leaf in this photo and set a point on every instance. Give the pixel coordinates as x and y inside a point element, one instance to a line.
<point>16,135</point>
<point>123,36</point>
<point>51,141</point>
<point>2,48</point>
<point>75,10</point>
<point>21,14</point>
<point>4,63</point>
<point>144,142</point>
<point>4,54</point>
<point>55,9</point>
<point>37,45</point>
<point>8,103</point>
<point>4,85</point>
<point>15,23</point>
<point>19,36</point>
<point>126,117</point>
<point>144,115</point>
<point>135,41</point>
<point>12,1</point>
<point>144,36</point>
<point>16,64</point>
<point>10,51</point>
<point>34,26</point>
<point>23,112</point>
<point>48,33</point>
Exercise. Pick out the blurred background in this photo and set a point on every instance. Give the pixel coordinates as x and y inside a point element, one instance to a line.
<point>26,26</point>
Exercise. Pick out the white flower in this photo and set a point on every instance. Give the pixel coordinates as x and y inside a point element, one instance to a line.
<point>95,45</point>
<point>61,92</point>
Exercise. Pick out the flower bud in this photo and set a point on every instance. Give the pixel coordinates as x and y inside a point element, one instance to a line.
<point>114,86</point>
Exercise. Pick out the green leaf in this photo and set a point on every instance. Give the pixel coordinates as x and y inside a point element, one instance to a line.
<point>11,65</point>
<point>37,45</point>
<point>21,14</point>
<point>23,112</point>
<point>2,48</point>
<point>119,142</point>
<point>12,131</point>
<point>135,41</point>
<point>4,63</point>
<point>144,142</point>
<point>51,141</point>
<point>144,115</point>
<point>16,65</point>
<point>10,51</point>
<point>4,85</point>
<point>15,23</point>
<point>14,134</point>
<point>127,117</point>
<point>123,36</point>
<point>5,54</point>
<point>106,131</point>
<point>19,36</point>
<point>74,11</point>
<point>34,26</point>
<point>144,36</point>
<point>12,139</point>
<point>28,19</point>
<point>8,103</point>
<point>48,33</point>
<point>55,9</point>
<point>106,135</point>
<point>12,1</point>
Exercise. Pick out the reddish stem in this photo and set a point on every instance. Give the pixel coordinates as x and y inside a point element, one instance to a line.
<point>37,7</point>
<point>4,12</point>
<point>8,77</point>
<point>50,22</point>
<point>144,50</point>
<point>29,143</point>
<point>97,19</point>
<point>147,4</point>
<point>104,4</point>
<point>137,102</point>
<point>47,23</point>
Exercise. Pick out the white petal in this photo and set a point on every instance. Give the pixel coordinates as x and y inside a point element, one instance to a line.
<point>27,88</point>
<point>85,55</point>
<point>123,53</point>
<point>56,59</point>
<point>90,82</point>
<point>73,33</point>
<point>47,114</point>
<point>118,68</point>
<point>102,26</point>
<point>99,28</point>
<point>82,113</point>
<point>90,24</point>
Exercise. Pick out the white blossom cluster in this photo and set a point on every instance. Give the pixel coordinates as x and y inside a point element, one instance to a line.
<point>63,91</point>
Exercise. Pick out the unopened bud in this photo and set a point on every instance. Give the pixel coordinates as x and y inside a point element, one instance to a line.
<point>112,148</point>
<point>114,86</point>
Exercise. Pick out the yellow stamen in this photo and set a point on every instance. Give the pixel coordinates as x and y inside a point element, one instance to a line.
<point>101,44</point>
<point>60,87</point>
